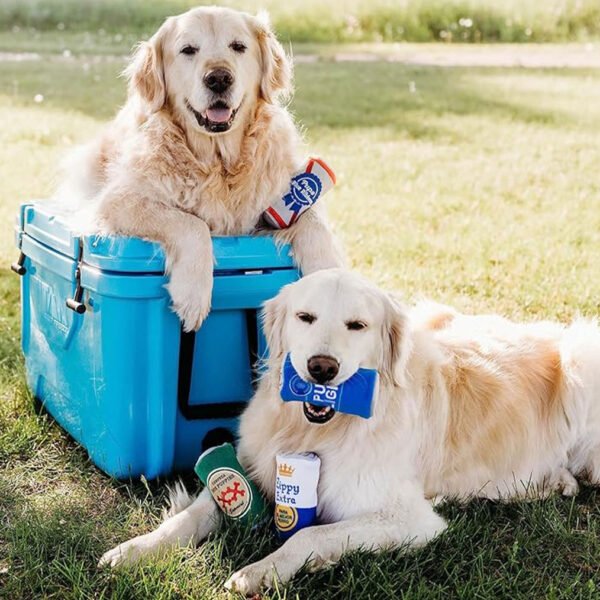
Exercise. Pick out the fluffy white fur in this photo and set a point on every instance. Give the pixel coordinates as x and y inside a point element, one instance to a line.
<point>159,173</point>
<point>467,406</point>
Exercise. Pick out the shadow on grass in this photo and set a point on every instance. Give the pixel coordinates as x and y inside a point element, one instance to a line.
<point>337,95</point>
<point>403,98</point>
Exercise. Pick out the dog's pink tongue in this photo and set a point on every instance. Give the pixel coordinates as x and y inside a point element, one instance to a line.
<point>219,115</point>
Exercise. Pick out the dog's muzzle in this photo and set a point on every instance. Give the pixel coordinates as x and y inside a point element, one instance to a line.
<point>217,118</point>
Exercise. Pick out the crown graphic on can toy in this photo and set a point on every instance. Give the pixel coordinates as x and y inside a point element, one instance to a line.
<point>285,470</point>
<point>306,187</point>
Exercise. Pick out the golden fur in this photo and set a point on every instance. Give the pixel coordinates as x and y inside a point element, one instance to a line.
<point>466,406</point>
<point>157,173</point>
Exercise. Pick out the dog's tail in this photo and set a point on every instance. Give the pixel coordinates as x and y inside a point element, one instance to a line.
<point>179,500</point>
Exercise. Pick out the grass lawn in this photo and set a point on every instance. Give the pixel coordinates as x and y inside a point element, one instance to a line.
<point>478,187</point>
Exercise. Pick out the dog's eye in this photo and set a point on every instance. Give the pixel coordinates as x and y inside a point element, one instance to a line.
<point>355,325</point>
<point>189,50</point>
<point>238,47</point>
<point>306,317</point>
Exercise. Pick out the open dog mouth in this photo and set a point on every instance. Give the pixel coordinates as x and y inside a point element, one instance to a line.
<point>317,414</point>
<point>217,118</point>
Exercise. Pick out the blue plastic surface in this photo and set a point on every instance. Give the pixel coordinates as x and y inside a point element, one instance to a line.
<point>112,375</point>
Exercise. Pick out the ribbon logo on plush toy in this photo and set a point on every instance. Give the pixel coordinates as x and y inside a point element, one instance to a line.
<point>304,191</point>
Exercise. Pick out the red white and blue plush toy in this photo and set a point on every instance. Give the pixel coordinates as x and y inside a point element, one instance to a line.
<point>306,187</point>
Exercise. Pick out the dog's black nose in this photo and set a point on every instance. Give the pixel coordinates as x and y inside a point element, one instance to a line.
<point>218,80</point>
<point>323,368</point>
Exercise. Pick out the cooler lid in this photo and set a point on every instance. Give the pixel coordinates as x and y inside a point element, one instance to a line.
<point>239,253</point>
<point>49,226</point>
<point>45,223</point>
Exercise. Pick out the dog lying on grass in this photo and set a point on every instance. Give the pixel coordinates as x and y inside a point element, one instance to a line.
<point>203,146</point>
<point>467,406</point>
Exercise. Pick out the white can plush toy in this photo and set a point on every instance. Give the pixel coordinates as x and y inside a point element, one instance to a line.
<point>306,187</point>
<point>296,492</point>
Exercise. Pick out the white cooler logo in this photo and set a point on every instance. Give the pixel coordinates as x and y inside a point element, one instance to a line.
<point>230,491</point>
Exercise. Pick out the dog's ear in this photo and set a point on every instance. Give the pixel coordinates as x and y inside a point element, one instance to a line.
<point>396,342</point>
<point>273,322</point>
<point>276,66</point>
<point>146,73</point>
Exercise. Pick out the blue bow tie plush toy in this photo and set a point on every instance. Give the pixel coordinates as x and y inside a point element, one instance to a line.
<point>353,397</point>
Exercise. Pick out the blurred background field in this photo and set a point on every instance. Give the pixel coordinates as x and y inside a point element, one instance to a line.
<point>462,176</point>
<point>335,21</point>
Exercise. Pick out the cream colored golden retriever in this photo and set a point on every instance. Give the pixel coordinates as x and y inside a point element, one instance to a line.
<point>202,146</point>
<point>466,406</point>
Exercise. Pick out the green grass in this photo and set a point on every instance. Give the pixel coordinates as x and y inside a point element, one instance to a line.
<point>478,187</point>
<point>336,21</point>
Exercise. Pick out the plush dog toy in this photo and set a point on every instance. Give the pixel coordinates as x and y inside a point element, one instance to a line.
<point>296,492</point>
<point>306,187</point>
<point>233,491</point>
<point>353,397</point>
<point>239,498</point>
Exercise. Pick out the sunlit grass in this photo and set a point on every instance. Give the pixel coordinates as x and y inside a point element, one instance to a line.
<point>478,187</point>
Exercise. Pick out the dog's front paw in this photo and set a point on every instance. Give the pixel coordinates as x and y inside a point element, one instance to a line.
<point>566,484</point>
<point>129,553</point>
<point>253,578</point>
<point>191,293</point>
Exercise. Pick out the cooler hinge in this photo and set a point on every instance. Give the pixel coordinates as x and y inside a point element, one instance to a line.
<point>18,266</point>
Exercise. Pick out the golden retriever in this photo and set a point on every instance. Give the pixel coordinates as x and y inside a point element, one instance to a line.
<point>202,147</point>
<point>466,406</point>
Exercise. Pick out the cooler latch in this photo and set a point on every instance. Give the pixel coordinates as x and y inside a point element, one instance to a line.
<point>75,303</point>
<point>18,266</point>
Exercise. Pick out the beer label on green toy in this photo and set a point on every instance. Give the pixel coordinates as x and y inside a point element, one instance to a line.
<point>231,492</point>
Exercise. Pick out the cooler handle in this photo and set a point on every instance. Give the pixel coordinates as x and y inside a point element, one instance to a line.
<point>214,410</point>
<point>75,303</point>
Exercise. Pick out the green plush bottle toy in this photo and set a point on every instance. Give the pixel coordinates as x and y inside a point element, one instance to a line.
<point>235,494</point>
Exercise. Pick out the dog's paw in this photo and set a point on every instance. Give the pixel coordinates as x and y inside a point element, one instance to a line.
<point>191,295</point>
<point>253,578</point>
<point>128,553</point>
<point>567,484</point>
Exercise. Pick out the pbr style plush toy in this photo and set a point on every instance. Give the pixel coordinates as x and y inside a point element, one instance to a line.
<point>306,187</point>
<point>235,494</point>
<point>296,492</point>
<point>353,397</point>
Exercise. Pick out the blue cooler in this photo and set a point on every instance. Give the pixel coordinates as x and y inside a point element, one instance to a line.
<point>107,357</point>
